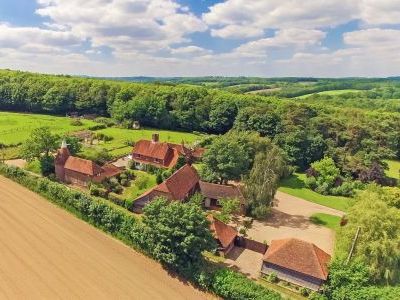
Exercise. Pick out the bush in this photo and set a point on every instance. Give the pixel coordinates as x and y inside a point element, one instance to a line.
<point>106,121</point>
<point>142,182</point>
<point>231,285</point>
<point>97,127</point>
<point>98,191</point>
<point>124,182</point>
<point>305,292</point>
<point>116,199</point>
<point>76,122</point>
<point>310,182</point>
<point>272,277</point>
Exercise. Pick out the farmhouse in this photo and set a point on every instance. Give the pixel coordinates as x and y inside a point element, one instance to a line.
<point>80,171</point>
<point>213,192</point>
<point>298,262</point>
<point>224,235</point>
<point>180,186</point>
<point>183,184</point>
<point>161,154</point>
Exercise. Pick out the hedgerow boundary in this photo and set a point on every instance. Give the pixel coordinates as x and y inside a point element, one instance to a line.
<point>124,226</point>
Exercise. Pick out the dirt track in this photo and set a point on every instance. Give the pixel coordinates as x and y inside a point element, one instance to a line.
<point>46,253</point>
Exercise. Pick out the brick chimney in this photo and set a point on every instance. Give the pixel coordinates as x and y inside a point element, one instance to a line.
<point>155,137</point>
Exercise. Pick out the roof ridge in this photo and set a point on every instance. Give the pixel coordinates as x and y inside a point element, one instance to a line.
<point>322,269</point>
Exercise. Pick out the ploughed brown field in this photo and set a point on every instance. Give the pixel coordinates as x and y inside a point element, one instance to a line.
<point>47,253</point>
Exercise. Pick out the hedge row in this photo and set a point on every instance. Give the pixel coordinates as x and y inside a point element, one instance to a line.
<point>124,226</point>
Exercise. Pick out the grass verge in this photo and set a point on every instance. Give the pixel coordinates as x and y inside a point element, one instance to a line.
<point>330,221</point>
<point>294,185</point>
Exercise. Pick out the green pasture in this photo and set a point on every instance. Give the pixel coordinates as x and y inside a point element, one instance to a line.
<point>331,93</point>
<point>16,127</point>
<point>294,185</point>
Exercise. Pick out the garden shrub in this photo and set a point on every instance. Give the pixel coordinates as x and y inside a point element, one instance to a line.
<point>106,121</point>
<point>117,199</point>
<point>97,127</point>
<point>76,122</point>
<point>231,285</point>
<point>273,277</point>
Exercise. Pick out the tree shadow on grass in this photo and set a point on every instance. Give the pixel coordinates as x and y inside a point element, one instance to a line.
<point>317,221</point>
<point>293,181</point>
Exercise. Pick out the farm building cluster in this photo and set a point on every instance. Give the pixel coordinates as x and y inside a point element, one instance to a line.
<point>292,260</point>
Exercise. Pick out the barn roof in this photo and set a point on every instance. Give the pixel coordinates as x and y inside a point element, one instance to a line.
<point>178,185</point>
<point>151,149</point>
<point>82,166</point>
<point>224,233</point>
<point>300,256</point>
<point>218,191</point>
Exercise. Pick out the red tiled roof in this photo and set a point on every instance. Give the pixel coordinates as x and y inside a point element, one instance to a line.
<point>178,185</point>
<point>156,150</point>
<point>82,166</point>
<point>300,256</point>
<point>151,149</point>
<point>218,191</point>
<point>222,232</point>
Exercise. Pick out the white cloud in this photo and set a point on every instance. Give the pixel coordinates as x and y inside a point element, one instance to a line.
<point>124,25</point>
<point>277,14</point>
<point>190,50</point>
<point>152,37</point>
<point>237,32</point>
<point>293,37</point>
<point>14,37</point>
<point>380,11</point>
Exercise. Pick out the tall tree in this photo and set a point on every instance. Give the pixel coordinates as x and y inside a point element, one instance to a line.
<point>378,245</point>
<point>40,144</point>
<point>262,182</point>
<point>177,233</point>
<point>226,159</point>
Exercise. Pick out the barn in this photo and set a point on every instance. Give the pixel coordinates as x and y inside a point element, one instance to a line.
<point>298,262</point>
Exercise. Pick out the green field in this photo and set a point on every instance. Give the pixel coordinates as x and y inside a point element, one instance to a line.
<point>118,147</point>
<point>394,169</point>
<point>326,220</point>
<point>294,185</point>
<point>331,93</point>
<point>16,127</point>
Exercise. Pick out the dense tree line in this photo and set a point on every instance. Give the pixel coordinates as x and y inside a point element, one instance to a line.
<point>354,138</point>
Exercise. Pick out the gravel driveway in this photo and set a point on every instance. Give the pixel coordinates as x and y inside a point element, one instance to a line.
<point>290,218</point>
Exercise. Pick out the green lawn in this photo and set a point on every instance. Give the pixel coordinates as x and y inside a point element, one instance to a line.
<point>142,182</point>
<point>294,185</point>
<point>118,147</point>
<point>331,93</point>
<point>394,169</point>
<point>16,127</point>
<point>326,220</point>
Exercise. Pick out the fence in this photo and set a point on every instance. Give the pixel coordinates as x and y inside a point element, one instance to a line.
<point>251,245</point>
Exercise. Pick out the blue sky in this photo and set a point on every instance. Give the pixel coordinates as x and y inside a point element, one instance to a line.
<point>327,38</point>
